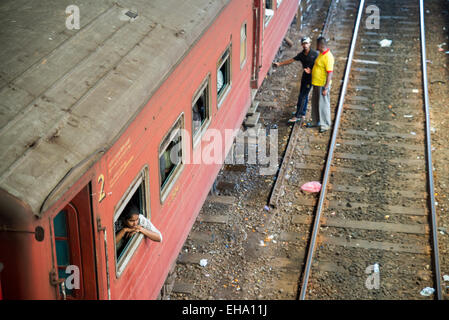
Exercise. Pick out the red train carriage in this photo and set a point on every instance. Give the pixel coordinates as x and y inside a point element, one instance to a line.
<point>88,116</point>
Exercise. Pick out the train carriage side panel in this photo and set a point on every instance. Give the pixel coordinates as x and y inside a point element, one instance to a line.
<point>273,34</point>
<point>146,272</point>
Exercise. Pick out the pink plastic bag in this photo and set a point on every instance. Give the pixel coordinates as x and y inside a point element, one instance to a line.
<point>313,186</point>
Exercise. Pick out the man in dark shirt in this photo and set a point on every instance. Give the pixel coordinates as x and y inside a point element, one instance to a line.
<point>307,57</point>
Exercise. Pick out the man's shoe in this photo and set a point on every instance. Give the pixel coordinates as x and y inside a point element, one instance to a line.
<point>293,120</point>
<point>311,125</point>
<point>323,130</point>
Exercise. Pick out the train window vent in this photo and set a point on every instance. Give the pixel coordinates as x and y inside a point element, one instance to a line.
<point>134,203</point>
<point>131,14</point>
<point>200,110</point>
<point>128,15</point>
<point>223,75</point>
<point>170,157</point>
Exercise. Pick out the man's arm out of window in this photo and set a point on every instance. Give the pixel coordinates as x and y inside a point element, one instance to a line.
<point>149,230</point>
<point>155,236</point>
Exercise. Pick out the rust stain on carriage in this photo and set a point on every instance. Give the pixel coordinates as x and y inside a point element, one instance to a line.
<point>33,144</point>
<point>52,138</point>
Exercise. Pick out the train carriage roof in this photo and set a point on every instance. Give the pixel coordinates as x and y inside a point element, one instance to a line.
<point>67,95</point>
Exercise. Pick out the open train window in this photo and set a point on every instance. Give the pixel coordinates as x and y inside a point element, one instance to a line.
<point>200,110</point>
<point>243,36</point>
<point>137,198</point>
<point>170,157</point>
<point>223,75</point>
<point>269,11</point>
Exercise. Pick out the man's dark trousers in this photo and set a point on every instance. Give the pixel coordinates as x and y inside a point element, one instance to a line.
<point>303,99</point>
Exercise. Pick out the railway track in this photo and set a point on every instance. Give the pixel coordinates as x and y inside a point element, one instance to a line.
<point>373,231</point>
<point>375,207</point>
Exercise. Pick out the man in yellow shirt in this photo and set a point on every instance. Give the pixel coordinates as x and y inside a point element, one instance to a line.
<point>321,82</point>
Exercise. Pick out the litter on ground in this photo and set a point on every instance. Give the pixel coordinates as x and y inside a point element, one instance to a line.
<point>385,43</point>
<point>427,291</point>
<point>313,186</point>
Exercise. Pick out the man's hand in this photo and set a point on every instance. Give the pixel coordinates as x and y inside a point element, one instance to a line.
<point>276,64</point>
<point>307,70</point>
<point>324,92</point>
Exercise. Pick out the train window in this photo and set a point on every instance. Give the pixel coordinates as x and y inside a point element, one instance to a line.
<point>135,198</point>
<point>200,110</point>
<point>73,252</point>
<point>223,75</point>
<point>269,4</point>
<point>67,245</point>
<point>243,45</point>
<point>279,3</point>
<point>269,11</point>
<point>62,246</point>
<point>170,157</point>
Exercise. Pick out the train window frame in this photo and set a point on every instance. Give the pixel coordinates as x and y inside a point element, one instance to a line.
<point>245,42</point>
<point>141,180</point>
<point>225,57</point>
<point>272,7</point>
<point>166,187</point>
<point>73,241</point>
<point>205,85</point>
<point>278,3</point>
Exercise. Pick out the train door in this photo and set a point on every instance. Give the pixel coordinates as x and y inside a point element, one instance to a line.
<point>74,273</point>
<point>258,30</point>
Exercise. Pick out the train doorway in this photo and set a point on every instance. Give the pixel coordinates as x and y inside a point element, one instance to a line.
<point>74,273</point>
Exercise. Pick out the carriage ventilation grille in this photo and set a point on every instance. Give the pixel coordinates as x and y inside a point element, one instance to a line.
<point>131,14</point>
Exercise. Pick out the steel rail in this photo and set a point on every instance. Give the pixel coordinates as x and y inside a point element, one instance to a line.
<point>316,225</point>
<point>429,153</point>
<point>330,11</point>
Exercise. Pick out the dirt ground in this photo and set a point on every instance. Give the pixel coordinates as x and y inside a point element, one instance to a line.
<point>255,252</point>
